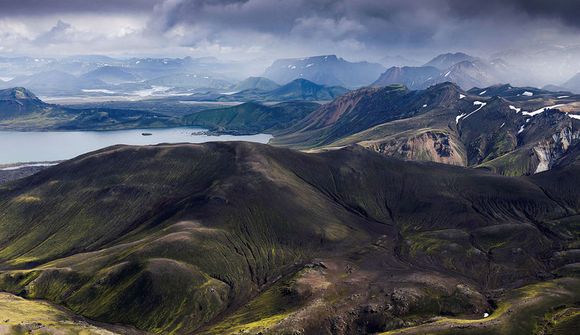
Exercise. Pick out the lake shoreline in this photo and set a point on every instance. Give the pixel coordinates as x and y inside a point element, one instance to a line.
<point>46,147</point>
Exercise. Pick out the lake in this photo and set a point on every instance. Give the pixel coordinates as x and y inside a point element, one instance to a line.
<point>21,147</point>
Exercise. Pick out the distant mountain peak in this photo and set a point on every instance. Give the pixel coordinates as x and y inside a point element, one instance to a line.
<point>447,85</point>
<point>256,83</point>
<point>412,77</point>
<point>325,70</point>
<point>446,60</point>
<point>17,93</point>
<point>18,101</point>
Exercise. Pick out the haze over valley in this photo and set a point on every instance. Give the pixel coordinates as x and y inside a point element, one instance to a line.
<point>276,167</point>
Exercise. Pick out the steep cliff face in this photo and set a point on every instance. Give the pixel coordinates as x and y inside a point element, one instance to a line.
<point>549,151</point>
<point>432,145</point>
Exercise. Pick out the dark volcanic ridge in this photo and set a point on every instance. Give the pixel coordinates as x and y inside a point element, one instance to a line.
<point>219,238</point>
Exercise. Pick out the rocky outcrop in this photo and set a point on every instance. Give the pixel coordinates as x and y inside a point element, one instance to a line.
<point>435,146</point>
<point>549,151</point>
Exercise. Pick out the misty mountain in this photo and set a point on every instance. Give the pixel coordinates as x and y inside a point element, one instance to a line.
<point>110,75</point>
<point>412,77</point>
<point>299,89</point>
<point>464,70</point>
<point>468,74</point>
<point>117,71</point>
<point>447,60</point>
<point>573,83</point>
<point>190,81</point>
<point>255,83</point>
<point>19,102</point>
<point>398,61</point>
<point>21,110</point>
<point>542,63</point>
<point>302,89</point>
<point>324,70</point>
<point>55,83</point>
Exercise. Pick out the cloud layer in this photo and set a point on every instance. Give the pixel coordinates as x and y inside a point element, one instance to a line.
<point>266,29</point>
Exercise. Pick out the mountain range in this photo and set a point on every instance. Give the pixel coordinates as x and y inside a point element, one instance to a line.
<point>510,133</point>
<point>464,70</point>
<point>21,110</point>
<point>328,70</point>
<point>298,89</point>
<point>509,130</point>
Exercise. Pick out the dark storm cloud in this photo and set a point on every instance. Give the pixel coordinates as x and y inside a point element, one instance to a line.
<point>419,22</point>
<point>52,7</point>
<point>299,26</point>
<point>566,11</point>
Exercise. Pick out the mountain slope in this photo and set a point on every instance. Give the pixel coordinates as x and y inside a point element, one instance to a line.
<point>55,83</point>
<point>255,83</point>
<point>21,110</point>
<point>251,117</point>
<point>446,124</point>
<point>447,60</point>
<point>18,101</point>
<point>360,110</point>
<point>411,77</point>
<point>189,81</point>
<point>302,89</point>
<point>111,75</point>
<point>227,237</point>
<point>299,89</point>
<point>468,74</point>
<point>573,83</point>
<point>459,68</point>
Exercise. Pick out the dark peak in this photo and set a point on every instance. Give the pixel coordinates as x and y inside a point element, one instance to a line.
<point>467,64</point>
<point>443,94</point>
<point>446,60</point>
<point>17,93</point>
<point>327,58</point>
<point>507,86</point>
<point>445,86</point>
<point>496,99</point>
<point>302,82</point>
<point>394,87</point>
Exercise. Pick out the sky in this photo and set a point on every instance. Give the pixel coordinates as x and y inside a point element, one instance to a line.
<point>268,29</point>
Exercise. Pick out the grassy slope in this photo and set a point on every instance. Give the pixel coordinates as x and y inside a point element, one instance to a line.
<point>177,237</point>
<point>252,117</point>
<point>21,316</point>
<point>549,307</point>
<point>414,124</point>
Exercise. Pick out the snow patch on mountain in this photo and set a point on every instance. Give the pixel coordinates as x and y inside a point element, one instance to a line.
<point>458,117</point>
<point>481,105</point>
<point>514,108</point>
<point>541,110</point>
